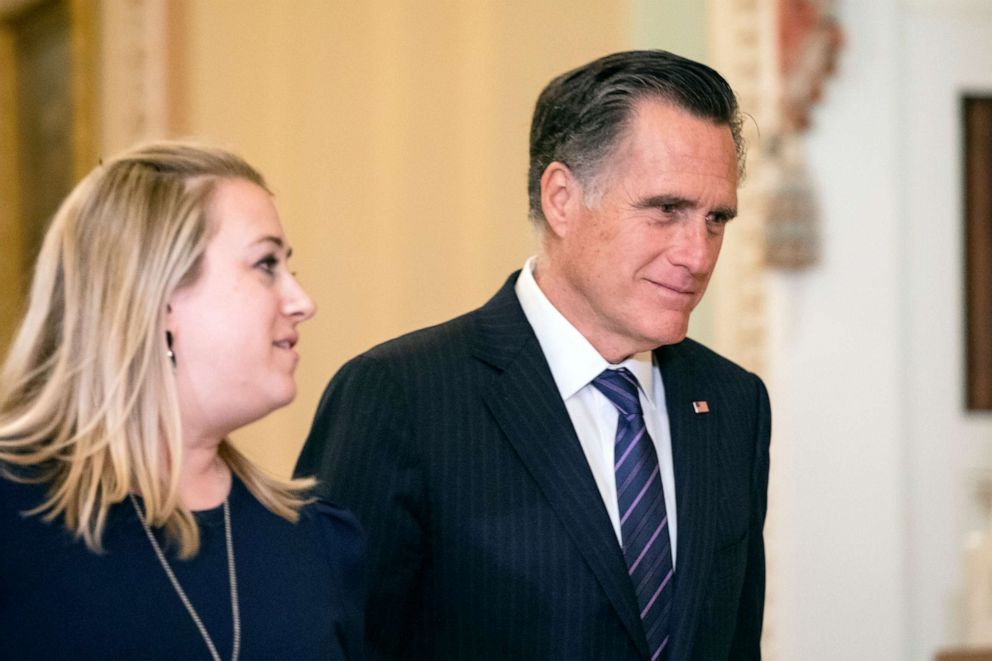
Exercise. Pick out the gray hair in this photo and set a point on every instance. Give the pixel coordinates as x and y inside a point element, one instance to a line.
<point>581,115</point>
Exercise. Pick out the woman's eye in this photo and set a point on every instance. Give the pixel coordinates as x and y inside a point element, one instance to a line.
<point>268,264</point>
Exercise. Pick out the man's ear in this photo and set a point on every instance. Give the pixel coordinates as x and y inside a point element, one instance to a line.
<point>561,197</point>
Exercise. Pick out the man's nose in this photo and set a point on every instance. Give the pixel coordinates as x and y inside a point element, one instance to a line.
<point>694,247</point>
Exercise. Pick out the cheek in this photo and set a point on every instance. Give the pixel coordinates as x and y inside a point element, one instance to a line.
<point>715,246</point>
<point>607,253</point>
<point>641,256</point>
<point>219,332</point>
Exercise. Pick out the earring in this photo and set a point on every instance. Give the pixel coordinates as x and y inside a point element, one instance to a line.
<point>168,351</point>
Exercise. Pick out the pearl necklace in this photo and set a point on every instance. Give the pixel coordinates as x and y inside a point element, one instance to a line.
<point>232,577</point>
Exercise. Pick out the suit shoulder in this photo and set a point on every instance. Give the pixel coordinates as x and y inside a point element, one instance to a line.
<point>444,342</point>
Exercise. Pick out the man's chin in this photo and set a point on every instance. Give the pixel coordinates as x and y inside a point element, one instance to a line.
<point>670,333</point>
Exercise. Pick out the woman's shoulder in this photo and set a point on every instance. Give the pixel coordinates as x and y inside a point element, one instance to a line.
<point>337,526</point>
<point>323,531</point>
<point>342,544</point>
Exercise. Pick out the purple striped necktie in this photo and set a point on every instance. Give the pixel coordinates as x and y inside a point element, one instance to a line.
<point>647,547</point>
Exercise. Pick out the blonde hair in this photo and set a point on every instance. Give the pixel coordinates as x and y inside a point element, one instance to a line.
<point>88,401</point>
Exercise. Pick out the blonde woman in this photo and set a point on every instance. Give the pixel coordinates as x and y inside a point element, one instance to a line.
<point>162,317</point>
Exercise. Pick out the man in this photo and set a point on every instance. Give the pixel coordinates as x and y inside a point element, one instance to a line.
<point>560,474</point>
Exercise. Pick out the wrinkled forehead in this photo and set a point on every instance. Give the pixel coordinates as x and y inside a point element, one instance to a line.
<point>682,115</point>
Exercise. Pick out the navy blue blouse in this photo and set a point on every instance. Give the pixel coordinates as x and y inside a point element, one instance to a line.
<point>301,586</point>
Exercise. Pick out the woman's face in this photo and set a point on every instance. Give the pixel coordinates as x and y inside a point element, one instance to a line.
<point>234,328</point>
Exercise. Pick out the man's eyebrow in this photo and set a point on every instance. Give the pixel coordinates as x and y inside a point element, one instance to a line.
<point>658,201</point>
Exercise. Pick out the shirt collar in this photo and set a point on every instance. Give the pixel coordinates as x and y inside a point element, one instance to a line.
<point>573,361</point>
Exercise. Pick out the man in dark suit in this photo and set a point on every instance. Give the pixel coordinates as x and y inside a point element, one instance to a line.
<point>560,474</point>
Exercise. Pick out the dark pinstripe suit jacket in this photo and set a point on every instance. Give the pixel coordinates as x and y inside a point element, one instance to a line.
<point>488,537</point>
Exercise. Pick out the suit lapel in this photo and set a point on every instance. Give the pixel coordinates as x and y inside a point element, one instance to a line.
<point>525,402</point>
<point>695,491</point>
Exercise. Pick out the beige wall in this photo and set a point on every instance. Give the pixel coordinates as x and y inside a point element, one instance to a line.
<point>395,137</point>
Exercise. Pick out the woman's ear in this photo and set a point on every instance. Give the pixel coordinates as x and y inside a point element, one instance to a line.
<point>168,335</point>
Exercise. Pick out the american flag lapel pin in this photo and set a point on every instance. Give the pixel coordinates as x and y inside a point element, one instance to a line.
<point>701,406</point>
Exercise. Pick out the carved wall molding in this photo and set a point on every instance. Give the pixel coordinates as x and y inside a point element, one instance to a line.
<point>743,49</point>
<point>135,72</point>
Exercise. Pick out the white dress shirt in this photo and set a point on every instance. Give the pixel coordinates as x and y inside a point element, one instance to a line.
<point>574,364</point>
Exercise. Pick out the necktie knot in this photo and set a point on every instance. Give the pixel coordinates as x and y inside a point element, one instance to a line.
<point>620,387</point>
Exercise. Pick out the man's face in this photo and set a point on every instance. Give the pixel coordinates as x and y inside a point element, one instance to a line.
<point>628,269</point>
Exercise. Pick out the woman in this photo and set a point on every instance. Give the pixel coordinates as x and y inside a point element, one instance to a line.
<point>162,317</point>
